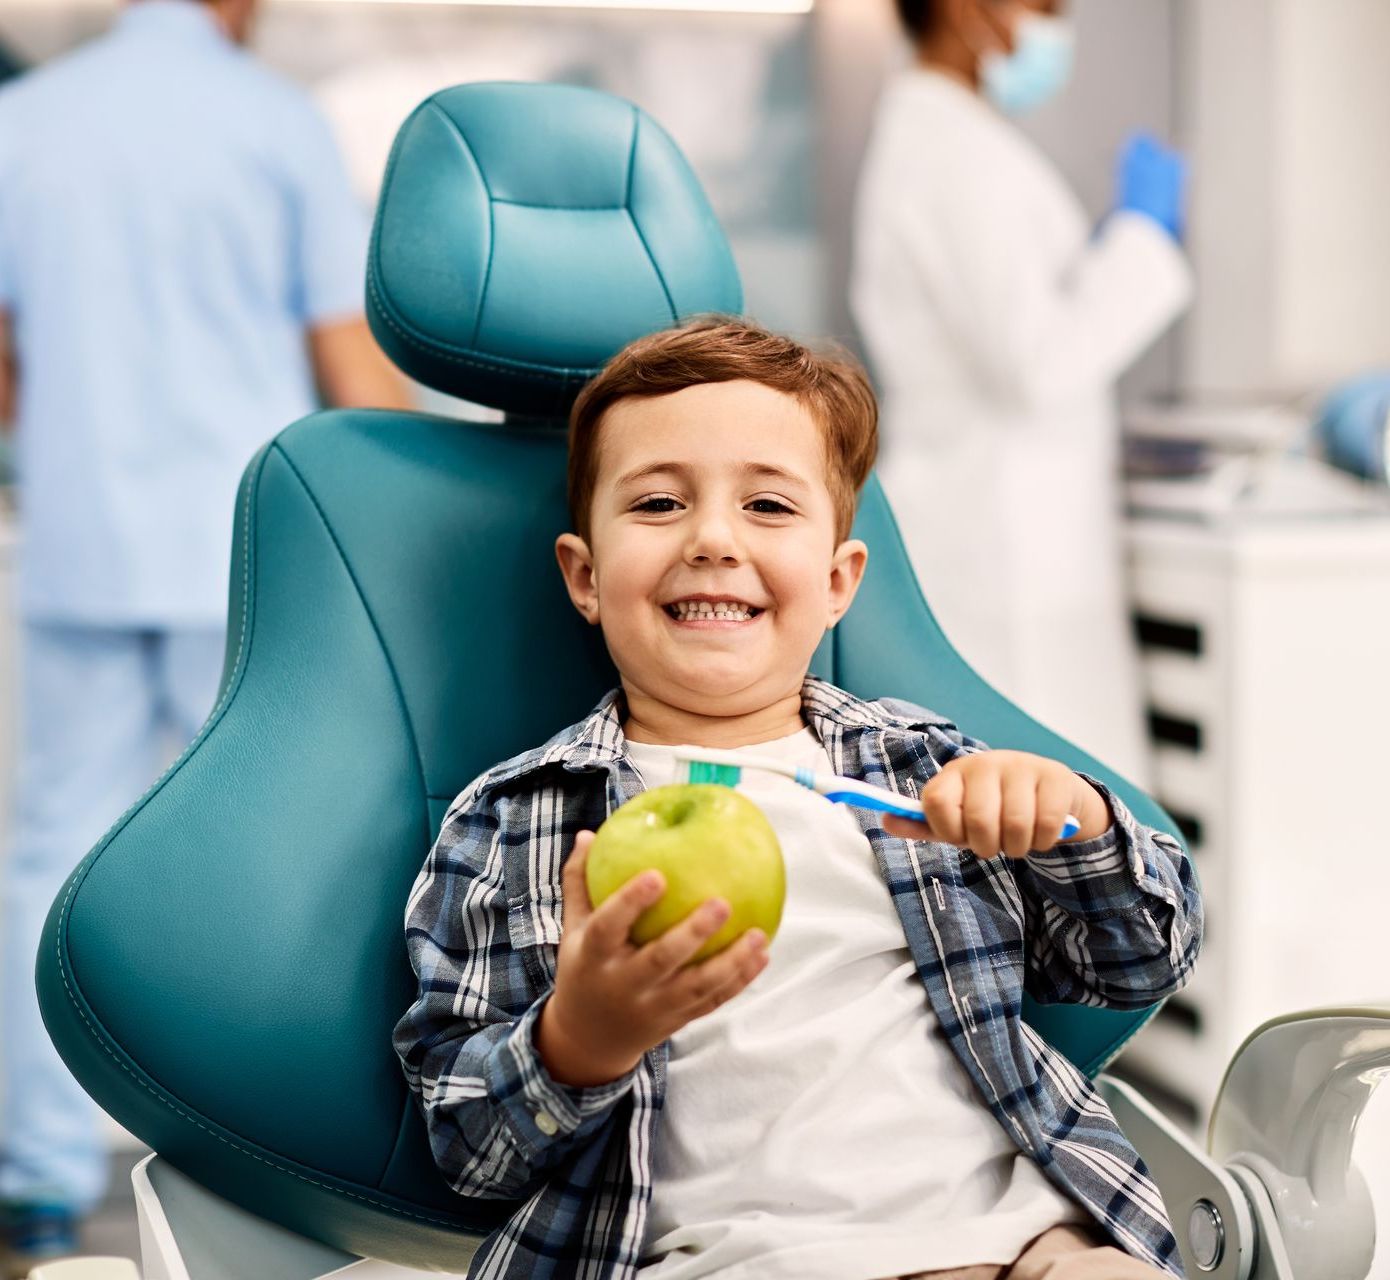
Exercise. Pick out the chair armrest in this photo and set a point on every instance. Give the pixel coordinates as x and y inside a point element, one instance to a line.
<point>1287,1112</point>
<point>1209,1209</point>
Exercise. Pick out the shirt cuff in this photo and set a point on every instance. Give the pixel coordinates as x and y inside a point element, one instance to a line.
<point>1110,874</point>
<point>540,1111</point>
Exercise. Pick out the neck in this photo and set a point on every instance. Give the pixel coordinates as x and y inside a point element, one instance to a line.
<point>219,13</point>
<point>662,724</point>
<point>226,22</point>
<point>945,52</point>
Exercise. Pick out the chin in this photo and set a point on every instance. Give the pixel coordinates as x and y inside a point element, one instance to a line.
<point>722,686</point>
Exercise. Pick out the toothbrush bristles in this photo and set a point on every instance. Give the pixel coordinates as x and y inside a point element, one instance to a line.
<point>724,775</point>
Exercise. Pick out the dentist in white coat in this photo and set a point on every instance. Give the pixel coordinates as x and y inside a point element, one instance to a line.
<point>996,320</point>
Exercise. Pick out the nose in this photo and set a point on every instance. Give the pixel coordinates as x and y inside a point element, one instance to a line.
<point>713,537</point>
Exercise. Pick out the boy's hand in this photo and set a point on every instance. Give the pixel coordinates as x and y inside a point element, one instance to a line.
<point>1007,802</point>
<point>612,1000</point>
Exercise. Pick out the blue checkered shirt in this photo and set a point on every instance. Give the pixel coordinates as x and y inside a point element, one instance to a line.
<point>1115,922</point>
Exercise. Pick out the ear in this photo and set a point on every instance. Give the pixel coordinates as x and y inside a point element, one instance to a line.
<point>846,573</point>
<point>577,568</point>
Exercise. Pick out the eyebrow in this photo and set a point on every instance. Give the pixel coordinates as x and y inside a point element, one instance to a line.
<point>679,468</point>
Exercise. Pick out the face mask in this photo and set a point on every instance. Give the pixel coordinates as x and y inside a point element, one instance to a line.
<point>1036,70</point>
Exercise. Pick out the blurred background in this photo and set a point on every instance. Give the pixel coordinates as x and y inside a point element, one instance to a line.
<point>1256,531</point>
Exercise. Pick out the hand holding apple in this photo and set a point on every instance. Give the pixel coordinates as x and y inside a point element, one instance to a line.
<point>613,1000</point>
<point>1009,802</point>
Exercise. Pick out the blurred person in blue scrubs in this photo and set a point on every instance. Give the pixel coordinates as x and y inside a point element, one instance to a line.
<point>182,266</point>
<point>996,320</point>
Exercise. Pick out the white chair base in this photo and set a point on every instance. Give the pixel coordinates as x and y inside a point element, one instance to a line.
<point>188,1233</point>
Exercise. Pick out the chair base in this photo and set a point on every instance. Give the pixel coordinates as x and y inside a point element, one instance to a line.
<point>188,1233</point>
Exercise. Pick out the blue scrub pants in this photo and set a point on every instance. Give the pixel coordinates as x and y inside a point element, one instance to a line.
<point>100,711</point>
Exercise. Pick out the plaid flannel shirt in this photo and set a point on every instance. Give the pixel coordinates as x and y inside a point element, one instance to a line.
<point>1114,921</point>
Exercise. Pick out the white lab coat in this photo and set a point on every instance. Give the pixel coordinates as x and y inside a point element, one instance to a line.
<point>995,324</point>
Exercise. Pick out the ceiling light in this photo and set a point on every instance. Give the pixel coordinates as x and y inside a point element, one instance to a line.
<point>689,6</point>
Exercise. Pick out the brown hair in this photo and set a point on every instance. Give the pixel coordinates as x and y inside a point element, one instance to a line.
<point>919,17</point>
<point>833,387</point>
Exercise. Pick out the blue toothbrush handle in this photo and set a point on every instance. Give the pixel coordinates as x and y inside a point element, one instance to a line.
<point>912,812</point>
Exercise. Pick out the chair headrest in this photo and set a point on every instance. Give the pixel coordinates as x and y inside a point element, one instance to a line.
<point>526,232</point>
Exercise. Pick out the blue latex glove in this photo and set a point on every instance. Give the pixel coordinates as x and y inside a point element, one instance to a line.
<point>1152,179</point>
<point>1354,426</point>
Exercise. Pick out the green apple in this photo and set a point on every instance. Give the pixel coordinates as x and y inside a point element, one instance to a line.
<point>708,841</point>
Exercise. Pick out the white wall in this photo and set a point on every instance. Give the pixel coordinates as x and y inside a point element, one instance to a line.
<point>1332,186</point>
<point>1285,104</point>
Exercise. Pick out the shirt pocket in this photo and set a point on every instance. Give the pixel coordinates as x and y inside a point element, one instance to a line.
<point>530,941</point>
<point>533,927</point>
<point>534,905</point>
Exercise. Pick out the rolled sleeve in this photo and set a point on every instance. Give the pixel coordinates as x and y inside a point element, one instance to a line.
<point>542,1113</point>
<point>1113,872</point>
<point>498,1123</point>
<point>1115,920</point>
<point>1037,336</point>
<point>333,229</point>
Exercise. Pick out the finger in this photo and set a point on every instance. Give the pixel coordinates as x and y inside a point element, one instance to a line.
<point>906,829</point>
<point>1089,808</point>
<point>942,797</point>
<point>1018,811</point>
<point>1054,797</point>
<point>743,977</point>
<point>573,887</point>
<point>704,987</point>
<point>662,956</point>
<point>611,923</point>
<point>980,811</point>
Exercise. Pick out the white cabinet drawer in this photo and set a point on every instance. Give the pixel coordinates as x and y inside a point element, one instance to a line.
<point>1180,685</point>
<point>1188,780</point>
<point>1178,597</point>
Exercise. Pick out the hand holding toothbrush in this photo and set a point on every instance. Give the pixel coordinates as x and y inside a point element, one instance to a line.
<point>1008,802</point>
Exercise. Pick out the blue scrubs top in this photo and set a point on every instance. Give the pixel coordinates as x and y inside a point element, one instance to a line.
<point>172,216</point>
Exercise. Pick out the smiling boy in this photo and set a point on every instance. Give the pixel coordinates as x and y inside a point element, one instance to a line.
<point>863,1100</point>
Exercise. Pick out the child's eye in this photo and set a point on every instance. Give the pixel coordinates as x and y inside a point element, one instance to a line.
<point>654,505</point>
<point>778,507</point>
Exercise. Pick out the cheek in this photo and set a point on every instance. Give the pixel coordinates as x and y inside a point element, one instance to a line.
<point>630,577</point>
<point>801,584</point>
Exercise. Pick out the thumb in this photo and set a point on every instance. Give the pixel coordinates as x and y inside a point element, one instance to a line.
<point>905,828</point>
<point>576,907</point>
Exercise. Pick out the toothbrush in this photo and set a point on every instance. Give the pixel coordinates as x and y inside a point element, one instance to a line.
<point>725,768</point>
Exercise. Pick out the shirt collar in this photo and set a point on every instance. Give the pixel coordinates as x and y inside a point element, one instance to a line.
<point>597,743</point>
<point>183,18</point>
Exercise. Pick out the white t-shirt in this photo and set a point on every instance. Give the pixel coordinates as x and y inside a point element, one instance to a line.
<point>819,1125</point>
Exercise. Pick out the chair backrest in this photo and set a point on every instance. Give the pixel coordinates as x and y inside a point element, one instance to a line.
<point>223,971</point>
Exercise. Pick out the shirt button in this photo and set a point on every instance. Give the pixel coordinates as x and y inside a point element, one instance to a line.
<point>547,1123</point>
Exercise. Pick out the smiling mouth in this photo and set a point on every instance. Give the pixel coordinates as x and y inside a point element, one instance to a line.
<point>704,614</point>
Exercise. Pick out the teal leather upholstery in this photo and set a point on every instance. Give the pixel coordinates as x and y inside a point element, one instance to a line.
<point>222,972</point>
<point>522,238</point>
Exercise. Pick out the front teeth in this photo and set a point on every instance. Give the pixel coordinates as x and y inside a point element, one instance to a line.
<point>730,609</point>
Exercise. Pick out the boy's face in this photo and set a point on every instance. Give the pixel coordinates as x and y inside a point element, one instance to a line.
<point>717,491</point>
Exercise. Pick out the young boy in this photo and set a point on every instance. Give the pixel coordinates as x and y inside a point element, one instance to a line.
<point>861,1099</point>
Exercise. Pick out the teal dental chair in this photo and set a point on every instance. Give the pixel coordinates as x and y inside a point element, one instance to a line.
<point>223,971</point>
